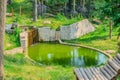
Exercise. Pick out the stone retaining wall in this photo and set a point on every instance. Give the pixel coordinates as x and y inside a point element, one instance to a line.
<point>76,30</point>
<point>48,34</point>
<point>72,31</point>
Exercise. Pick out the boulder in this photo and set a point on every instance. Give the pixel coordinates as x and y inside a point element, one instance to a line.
<point>9,28</point>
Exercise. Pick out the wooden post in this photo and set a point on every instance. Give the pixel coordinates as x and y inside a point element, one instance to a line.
<point>74,4</point>
<point>35,14</point>
<point>41,7</point>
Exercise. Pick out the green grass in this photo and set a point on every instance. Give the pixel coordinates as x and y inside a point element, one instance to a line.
<point>99,39</point>
<point>56,22</point>
<point>17,67</point>
<point>9,42</point>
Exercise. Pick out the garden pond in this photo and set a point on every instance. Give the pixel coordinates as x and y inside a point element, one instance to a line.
<point>58,54</point>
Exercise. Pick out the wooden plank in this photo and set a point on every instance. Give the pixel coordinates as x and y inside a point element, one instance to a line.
<point>88,74</point>
<point>95,74</point>
<point>103,76</point>
<point>92,75</point>
<point>109,72</point>
<point>113,71</point>
<point>83,74</point>
<point>113,65</point>
<point>78,74</point>
<point>118,56</point>
<point>116,62</point>
<point>105,73</point>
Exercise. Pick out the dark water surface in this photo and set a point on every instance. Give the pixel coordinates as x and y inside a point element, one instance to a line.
<point>57,54</point>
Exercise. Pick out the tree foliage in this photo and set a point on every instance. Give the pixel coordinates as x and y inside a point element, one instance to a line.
<point>101,9</point>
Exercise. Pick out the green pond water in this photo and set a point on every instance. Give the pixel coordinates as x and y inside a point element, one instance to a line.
<point>57,54</point>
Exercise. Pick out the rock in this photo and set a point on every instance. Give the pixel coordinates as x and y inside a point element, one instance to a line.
<point>9,14</point>
<point>96,21</point>
<point>46,22</point>
<point>9,28</point>
<point>76,30</point>
<point>14,25</point>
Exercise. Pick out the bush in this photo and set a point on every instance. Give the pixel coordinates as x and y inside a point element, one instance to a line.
<point>15,38</point>
<point>61,17</point>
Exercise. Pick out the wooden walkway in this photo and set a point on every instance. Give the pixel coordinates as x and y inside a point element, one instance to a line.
<point>108,72</point>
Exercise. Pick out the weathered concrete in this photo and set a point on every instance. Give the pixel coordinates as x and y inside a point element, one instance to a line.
<point>24,40</point>
<point>48,34</point>
<point>66,32</point>
<point>76,30</point>
<point>44,34</point>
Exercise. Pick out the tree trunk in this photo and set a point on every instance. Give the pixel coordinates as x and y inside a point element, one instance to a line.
<point>70,5</point>
<point>35,14</point>
<point>2,25</point>
<point>83,4</point>
<point>41,7</point>
<point>74,4</point>
<point>111,23</point>
<point>80,2</point>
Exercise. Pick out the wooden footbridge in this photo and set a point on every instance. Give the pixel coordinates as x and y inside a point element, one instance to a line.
<point>108,72</point>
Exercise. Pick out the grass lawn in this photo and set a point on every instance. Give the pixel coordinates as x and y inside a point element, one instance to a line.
<point>10,42</point>
<point>99,39</point>
<point>17,67</point>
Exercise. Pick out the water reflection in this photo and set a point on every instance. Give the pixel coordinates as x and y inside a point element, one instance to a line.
<point>65,55</point>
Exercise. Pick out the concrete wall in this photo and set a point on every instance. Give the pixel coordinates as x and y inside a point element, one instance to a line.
<point>48,34</point>
<point>24,40</point>
<point>44,34</point>
<point>72,31</point>
<point>76,30</point>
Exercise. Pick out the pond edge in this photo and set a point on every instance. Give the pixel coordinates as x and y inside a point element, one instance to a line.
<point>78,45</point>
